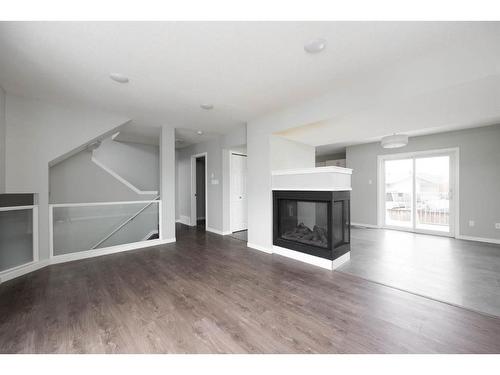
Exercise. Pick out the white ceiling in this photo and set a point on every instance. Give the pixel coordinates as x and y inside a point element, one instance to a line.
<point>150,135</point>
<point>245,69</point>
<point>187,137</point>
<point>133,133</point>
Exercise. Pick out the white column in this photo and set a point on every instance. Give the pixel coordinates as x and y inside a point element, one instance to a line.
<point>260,209</point>
<point>167,183</point>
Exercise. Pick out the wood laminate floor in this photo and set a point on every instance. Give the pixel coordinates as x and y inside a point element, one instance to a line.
<point>211,294</point>
<point>464,273</point>
<point>241,235</point>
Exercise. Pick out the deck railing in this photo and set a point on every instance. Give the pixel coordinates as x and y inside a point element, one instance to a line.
<point>424,215</point>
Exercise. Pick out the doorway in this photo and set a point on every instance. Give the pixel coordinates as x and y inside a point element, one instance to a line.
<point>417,191</point>
<point>199,206</point>
<point>238,195</point>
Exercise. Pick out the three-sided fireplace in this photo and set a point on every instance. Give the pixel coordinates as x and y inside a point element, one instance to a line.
<point>312,222</point>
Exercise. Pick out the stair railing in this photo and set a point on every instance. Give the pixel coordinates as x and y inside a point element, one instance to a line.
<point>125,223</point>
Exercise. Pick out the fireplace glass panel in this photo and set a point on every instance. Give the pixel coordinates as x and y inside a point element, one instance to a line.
<point>347,222</point>
<point>304,222</point>
<point>338,218</point>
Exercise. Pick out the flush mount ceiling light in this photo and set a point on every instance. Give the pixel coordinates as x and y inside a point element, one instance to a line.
<point>118,77</point>
<point>394,141</point>
<point>315,45</point>
<point>199,132</point>
<point>207,106</point>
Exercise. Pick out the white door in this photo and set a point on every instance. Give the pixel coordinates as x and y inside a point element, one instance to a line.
<point>238,192</point>
<point>418,193</point>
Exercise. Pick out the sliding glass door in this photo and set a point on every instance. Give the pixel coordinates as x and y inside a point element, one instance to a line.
<point>399,193</point>
<point>417,192</point>
<point>432,191</point>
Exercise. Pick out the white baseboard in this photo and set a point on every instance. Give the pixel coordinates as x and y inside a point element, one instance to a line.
<point>213,230</point>
<point>336,263</point>
<point>23,270</point>
<point>365,225</point>
<point>260,248</point>
<point>216,231</point>
<point>108,250</point>
<point>311,259</point>
<point>306,258</point>
<point>478,239</point>
<point>186,220</point>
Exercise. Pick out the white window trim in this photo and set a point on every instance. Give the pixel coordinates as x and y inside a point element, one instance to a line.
<point>454,153</point>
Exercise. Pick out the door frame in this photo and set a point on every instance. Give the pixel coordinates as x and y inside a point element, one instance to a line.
<point>454,154</point>
<point>194,216</point>
<point>231,153</point>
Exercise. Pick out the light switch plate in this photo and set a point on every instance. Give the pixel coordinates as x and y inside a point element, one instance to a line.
<point>497,225</point>
<point>472,223</point>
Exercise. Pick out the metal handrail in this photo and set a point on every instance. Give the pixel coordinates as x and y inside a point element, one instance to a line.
<point>126,222</point>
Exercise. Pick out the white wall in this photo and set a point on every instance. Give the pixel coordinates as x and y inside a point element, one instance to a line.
<point>137,163</point>
<point>2,140</point>
<point>236,138</point>
<point>286,154</point>
<point>79,180</point>
<point>263,157</point>
<point>37,133</point>
<point>479,177</point>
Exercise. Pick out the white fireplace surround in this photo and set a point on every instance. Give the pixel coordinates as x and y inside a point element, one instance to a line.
<point>313,179</point>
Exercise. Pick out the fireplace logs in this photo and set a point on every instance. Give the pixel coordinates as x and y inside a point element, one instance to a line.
<point>302,233</point>
<point>312,222</point>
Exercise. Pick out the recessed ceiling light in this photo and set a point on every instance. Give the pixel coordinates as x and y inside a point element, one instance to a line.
<point>199,132</point>
<point>315,45</point>
<point>117,77</point>
<point>207,106</point>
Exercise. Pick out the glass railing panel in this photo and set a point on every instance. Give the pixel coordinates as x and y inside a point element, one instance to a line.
<point>16,238</point>
<point>85,227</point>
<point>141,228</point>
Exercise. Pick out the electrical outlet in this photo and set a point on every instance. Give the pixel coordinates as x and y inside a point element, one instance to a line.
<point>497,225</point>
<point>472,223</point>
